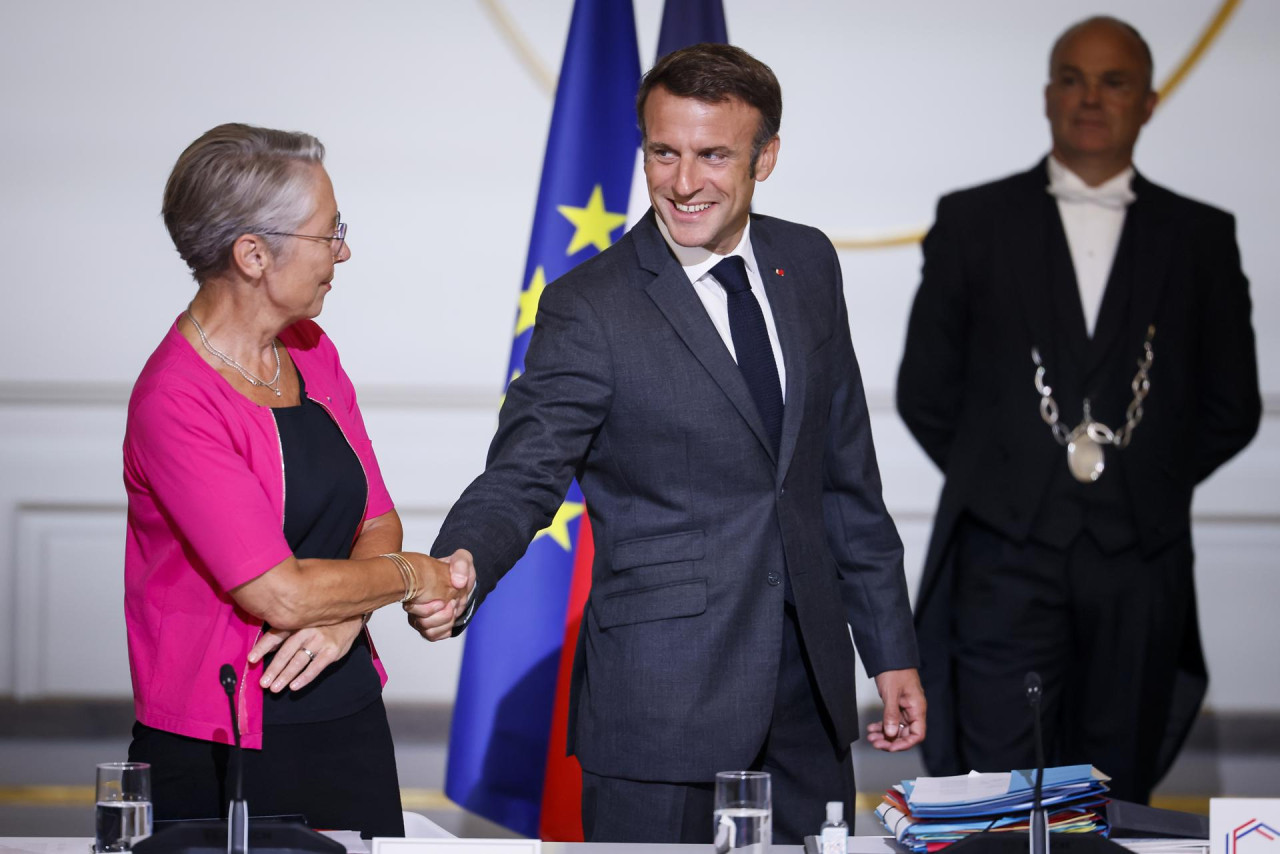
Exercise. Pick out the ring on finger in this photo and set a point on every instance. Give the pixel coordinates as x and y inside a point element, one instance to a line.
<point>311,655</point>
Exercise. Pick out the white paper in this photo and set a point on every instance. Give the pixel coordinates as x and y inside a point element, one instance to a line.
<point>1165,846</point>
<point>456,846</point>
<point>349,839</point>
<point>960,789</point>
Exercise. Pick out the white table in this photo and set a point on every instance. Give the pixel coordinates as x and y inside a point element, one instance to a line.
<point>81,844</point>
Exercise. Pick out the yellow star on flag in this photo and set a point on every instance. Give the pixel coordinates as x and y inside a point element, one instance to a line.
<point>503,399</point>
<point>529,301</point>
<point>594,224</point>
<point>558,530</point>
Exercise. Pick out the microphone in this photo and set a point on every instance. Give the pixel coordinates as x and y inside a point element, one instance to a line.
<point>269,836</point>
<point>985,842</point>
<point>227,676</point>
<point>238,809</point>
<point>1031,684</point>
<point>1039,830</point>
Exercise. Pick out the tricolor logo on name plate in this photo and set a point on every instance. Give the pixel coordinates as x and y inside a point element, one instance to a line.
<point>1244,826</point>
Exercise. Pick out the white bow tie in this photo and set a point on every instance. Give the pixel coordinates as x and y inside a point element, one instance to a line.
<point>1116,196</point>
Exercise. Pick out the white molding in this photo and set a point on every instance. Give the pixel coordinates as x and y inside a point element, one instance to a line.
<point>372,395</point>
<point>375,395</point>
<point>93,624</point>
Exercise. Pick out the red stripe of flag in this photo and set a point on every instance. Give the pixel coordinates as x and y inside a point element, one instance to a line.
<point>562,788</point>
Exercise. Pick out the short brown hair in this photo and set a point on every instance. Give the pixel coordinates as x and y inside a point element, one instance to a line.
<point>714,73</point>
<point>237,179</point>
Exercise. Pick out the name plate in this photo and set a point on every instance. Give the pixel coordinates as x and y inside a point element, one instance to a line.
<point>1244,826</point>
<point>456,846</point>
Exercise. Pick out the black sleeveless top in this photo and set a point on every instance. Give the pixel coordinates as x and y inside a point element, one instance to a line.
<point>325,494</point>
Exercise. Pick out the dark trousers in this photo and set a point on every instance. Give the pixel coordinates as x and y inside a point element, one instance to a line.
<point>339,774</point>
<point>1104,631</point>
<point>807,767</point>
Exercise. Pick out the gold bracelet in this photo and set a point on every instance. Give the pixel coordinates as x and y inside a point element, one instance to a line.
<point>406,573</point>
<point>410,578</point>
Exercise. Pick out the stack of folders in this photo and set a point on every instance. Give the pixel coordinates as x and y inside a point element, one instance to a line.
<point>929,813</point>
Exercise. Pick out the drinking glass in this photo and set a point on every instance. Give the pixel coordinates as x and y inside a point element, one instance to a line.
<point>743,812</point>
<point>124,805</point>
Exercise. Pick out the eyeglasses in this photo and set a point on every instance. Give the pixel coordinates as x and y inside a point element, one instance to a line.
<point>336,239</point>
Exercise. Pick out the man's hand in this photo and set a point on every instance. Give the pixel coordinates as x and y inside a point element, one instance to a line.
<point>434,619</point>
<point>303,654</point>
<point>904,711</point>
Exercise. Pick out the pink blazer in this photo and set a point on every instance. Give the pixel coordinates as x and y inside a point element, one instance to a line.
<point>205,479</point>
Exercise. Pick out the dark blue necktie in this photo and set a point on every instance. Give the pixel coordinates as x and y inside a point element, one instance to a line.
<point>751,345</point>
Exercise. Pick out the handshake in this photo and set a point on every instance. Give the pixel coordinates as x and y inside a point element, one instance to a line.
<point>438,591</point>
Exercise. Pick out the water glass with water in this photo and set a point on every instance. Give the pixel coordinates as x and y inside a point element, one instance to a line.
<point>124,805</point>
<point>743,812</point>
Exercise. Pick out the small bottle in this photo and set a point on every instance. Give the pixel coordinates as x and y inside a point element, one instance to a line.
<point>834,836</point>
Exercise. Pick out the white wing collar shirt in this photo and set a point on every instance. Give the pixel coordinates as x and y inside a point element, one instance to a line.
<point>697,263</point>
<point>1092,218</point>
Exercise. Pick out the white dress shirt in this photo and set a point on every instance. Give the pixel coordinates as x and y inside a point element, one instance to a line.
<point>697,263</point>
<point>1092,218</point>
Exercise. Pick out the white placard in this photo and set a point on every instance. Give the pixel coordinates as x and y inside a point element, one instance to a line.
<point>456,846</point>
<point>1244,826</point>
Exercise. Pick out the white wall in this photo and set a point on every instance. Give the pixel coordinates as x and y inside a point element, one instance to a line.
<point>435,130</point>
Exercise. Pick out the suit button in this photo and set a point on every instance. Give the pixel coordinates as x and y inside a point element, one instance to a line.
<point>775,578</point>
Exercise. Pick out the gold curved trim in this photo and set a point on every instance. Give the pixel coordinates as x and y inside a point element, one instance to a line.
<point>888,241</point>
<point>1202,44</point>
<point>435,799</point>
<point>79,796</point>
<point>904,237</point>
<point>524,51</point>
<point>47,796</point>
<point>1207,38</point>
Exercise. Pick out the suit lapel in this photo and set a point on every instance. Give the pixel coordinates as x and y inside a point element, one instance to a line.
<point>675,298</point>
<point>1026,224</point>
<point>783,290</point>
<point>1137,277</point>
<point>1152,252</point>
<point>1068,309</point>
<point>1115,298</point>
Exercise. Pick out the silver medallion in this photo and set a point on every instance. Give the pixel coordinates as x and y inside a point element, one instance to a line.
<point>1085,458</point>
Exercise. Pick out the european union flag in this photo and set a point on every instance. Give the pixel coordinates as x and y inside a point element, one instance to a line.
<point>502,716</point>
<point>690,22</point>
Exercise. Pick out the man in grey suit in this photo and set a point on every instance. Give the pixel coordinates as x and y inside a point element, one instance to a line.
<point>715,418</point>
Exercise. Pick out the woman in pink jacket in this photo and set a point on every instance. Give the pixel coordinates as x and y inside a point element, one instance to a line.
<point>260,532</point>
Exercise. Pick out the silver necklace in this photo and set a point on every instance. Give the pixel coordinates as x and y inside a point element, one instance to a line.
<point>1085,442</point>
<point>273,383</point>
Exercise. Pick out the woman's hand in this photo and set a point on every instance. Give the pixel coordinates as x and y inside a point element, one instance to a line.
<point>434,618</point>
<point>301,655</point>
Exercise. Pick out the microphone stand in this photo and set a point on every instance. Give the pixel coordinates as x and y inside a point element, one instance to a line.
<point>238,810</point>
<point>1039,829</point>
<point>985,842</point>
<point>232,836</point>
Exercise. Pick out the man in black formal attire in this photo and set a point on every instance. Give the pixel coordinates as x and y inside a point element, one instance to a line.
<point>699,380</point>
<point>1079,357</point>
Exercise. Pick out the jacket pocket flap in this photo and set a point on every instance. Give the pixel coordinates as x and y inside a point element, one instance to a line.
<point>650,551</point>
<point>682,599</point>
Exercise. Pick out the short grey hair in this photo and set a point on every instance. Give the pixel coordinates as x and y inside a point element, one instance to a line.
<point>237,179</point>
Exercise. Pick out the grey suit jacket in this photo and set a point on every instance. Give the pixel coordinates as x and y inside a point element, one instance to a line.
<point>628,387</point>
